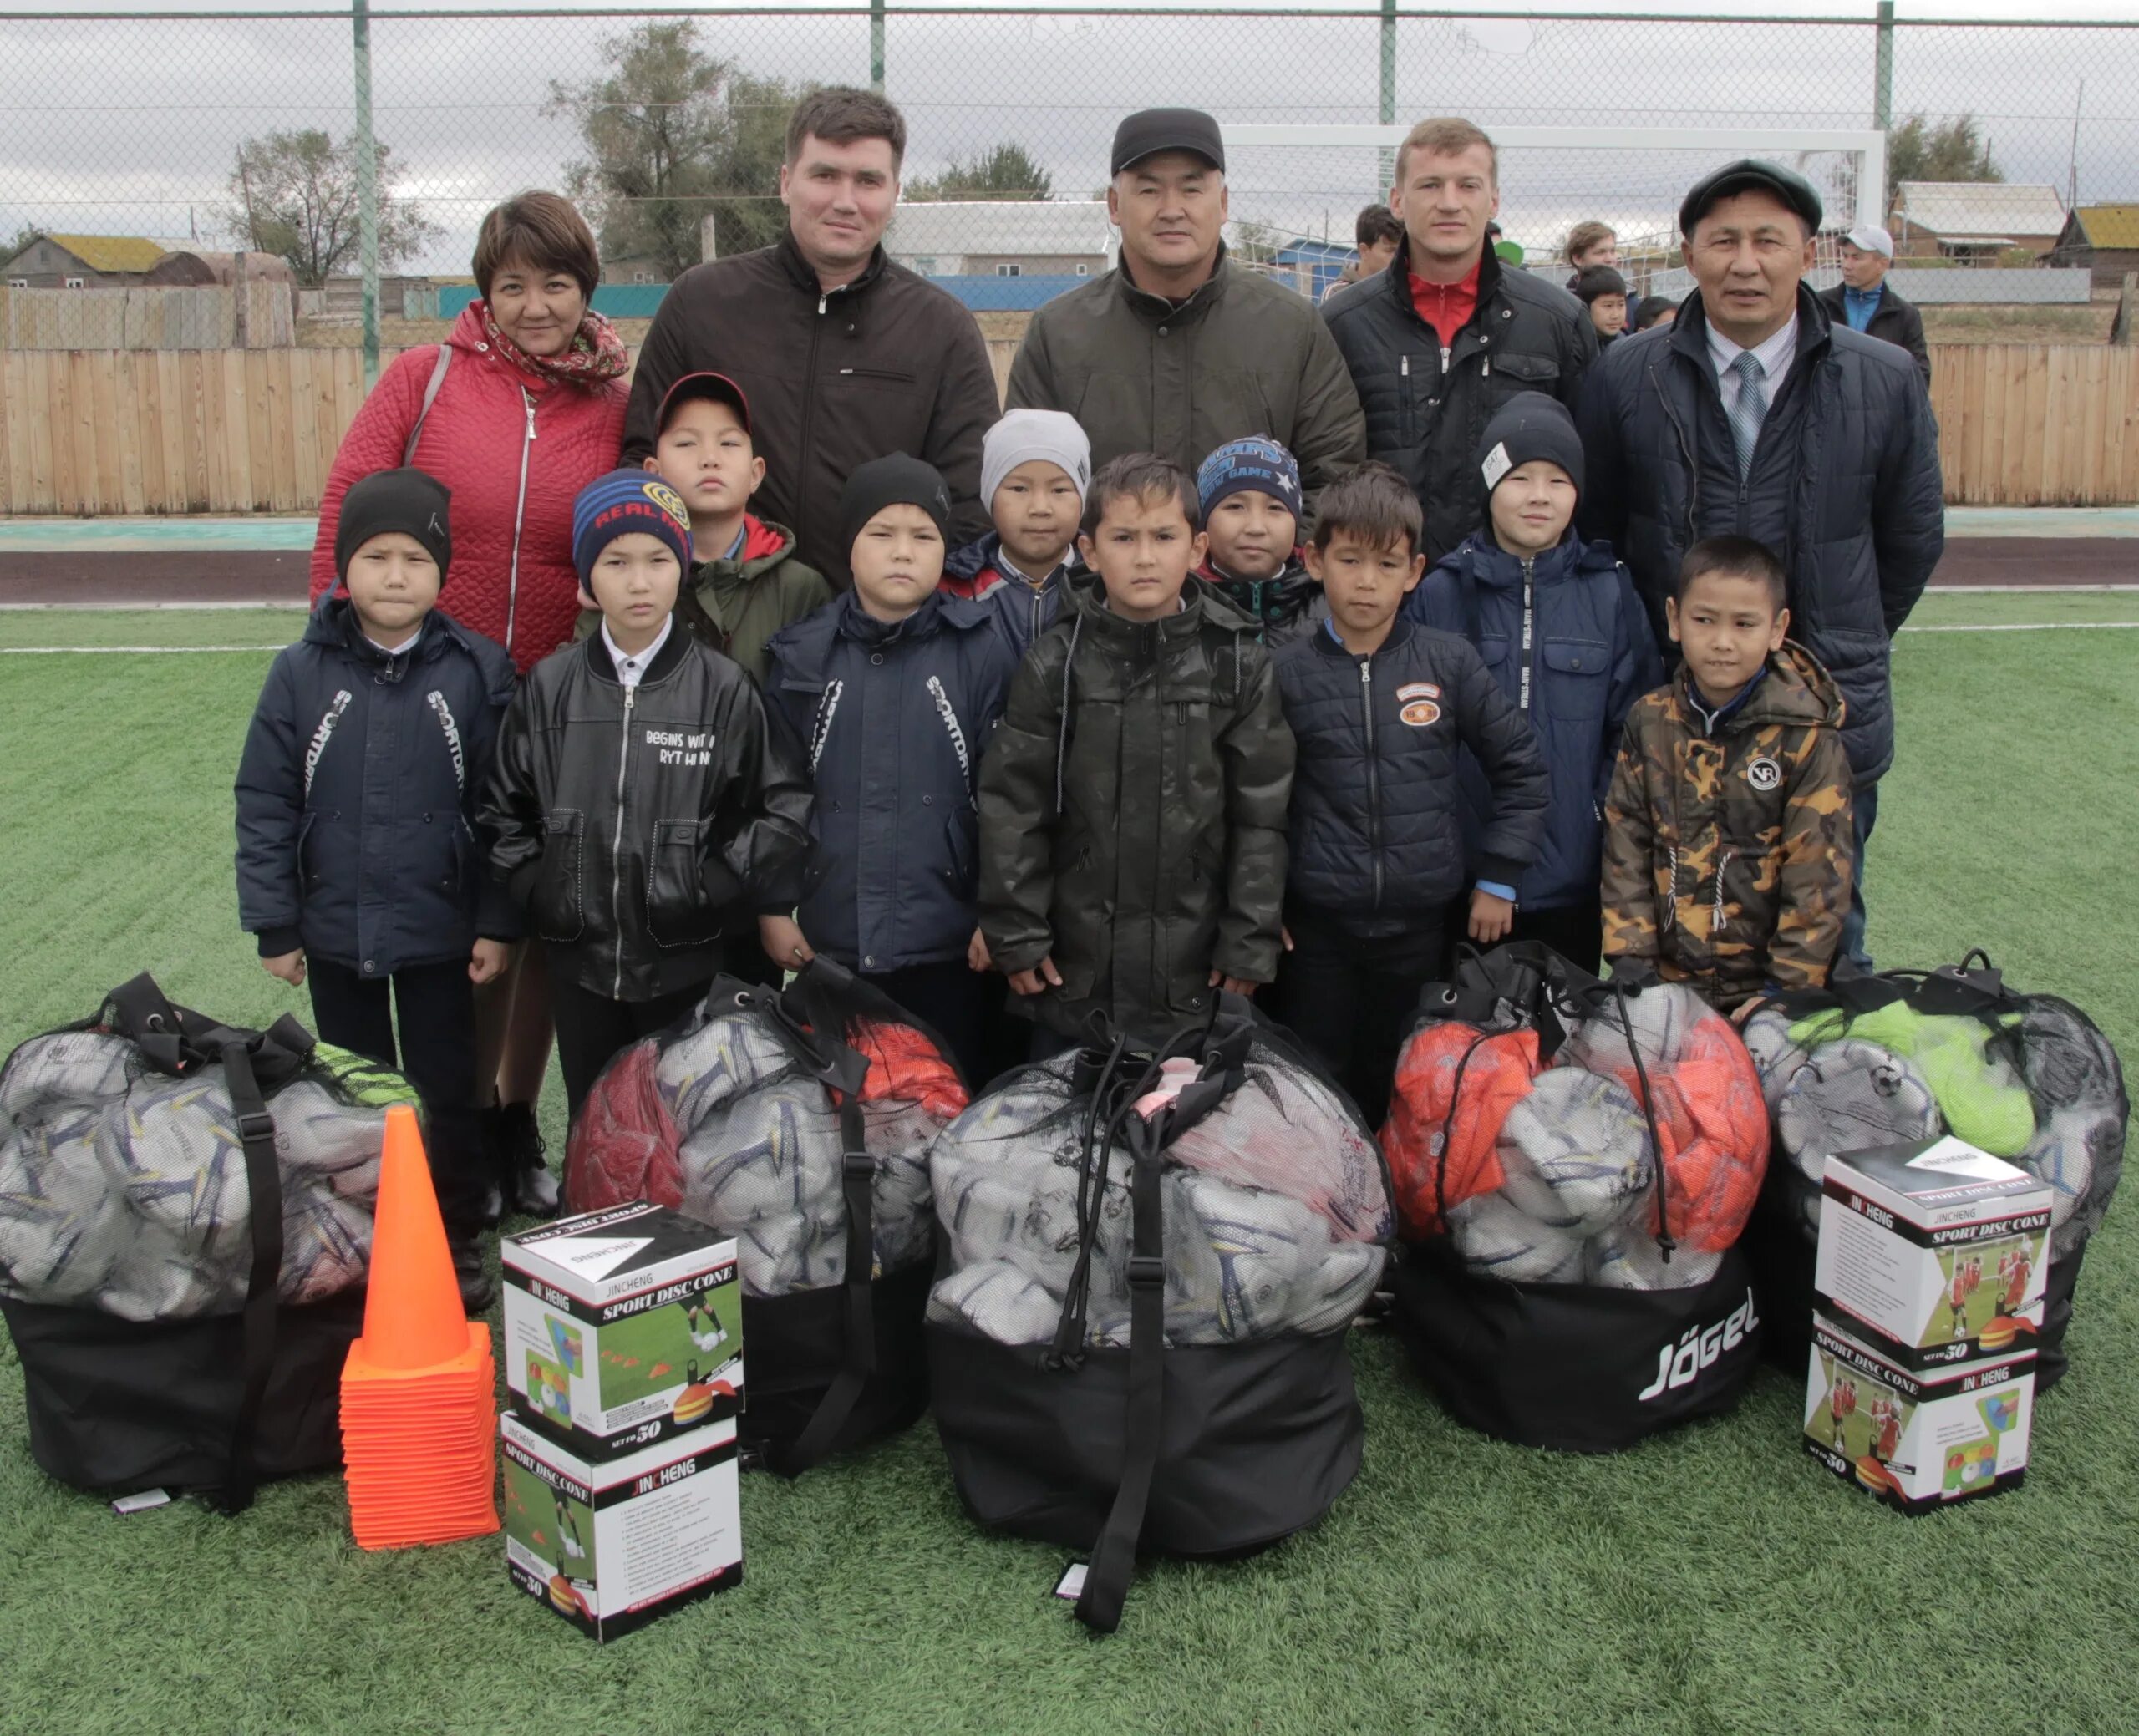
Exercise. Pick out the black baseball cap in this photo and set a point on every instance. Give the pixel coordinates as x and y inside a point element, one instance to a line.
<point>716,387</point>
<point>1746,175</point>
<point>1149,131</point>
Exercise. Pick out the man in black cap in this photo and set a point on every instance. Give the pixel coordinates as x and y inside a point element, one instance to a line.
<point>1756,415</point>
<point>1179,349</point>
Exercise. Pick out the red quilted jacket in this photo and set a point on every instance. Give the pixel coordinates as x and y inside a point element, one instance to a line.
<point>512,576</point>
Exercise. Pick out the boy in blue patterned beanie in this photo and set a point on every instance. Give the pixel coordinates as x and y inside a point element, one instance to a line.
<point>1250,490</point>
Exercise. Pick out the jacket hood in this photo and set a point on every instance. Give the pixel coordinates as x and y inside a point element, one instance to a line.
<point>1798,690</point>
<point>333,623</point>
<point>1158,306</point>
<point>1201,604</point>
<point>1279,598</point>
<point>804,644</point>
<point>764,545</point>
<point>974,559</point>
<point>1688,334</point>
<point>1487,563</point>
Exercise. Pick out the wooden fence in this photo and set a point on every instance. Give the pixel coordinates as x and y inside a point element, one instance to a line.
<point>258,315</point>
<point>90,432</point>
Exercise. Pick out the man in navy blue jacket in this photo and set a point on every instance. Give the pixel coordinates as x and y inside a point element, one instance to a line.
<point>1755,413</point>
<point>1382,710</point>
<point>1557,622</point>
<point>358,867</point>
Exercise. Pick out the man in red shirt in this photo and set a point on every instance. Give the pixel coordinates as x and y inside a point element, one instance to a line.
<point>1446,335</point>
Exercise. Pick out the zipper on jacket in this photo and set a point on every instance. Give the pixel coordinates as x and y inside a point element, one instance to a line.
<point>518,514</point>
<point>617,845</point>
<point>1374,776</point>
<point>1529,622</point>
<point>808,409</point>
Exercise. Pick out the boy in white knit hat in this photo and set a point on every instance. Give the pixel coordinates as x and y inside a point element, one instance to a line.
<point>1035,466</point>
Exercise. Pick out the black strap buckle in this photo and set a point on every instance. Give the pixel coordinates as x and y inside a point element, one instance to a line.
<point>856,1164</point>
<point>259,1125</point>
<point>1147,1270</point>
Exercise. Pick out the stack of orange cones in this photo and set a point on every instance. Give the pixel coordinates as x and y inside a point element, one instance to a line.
<point>420,1389</point>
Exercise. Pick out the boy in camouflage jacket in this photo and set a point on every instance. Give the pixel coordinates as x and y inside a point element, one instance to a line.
<point>1727,841</point>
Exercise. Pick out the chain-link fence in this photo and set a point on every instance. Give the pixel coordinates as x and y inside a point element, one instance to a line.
<point>128,138</point>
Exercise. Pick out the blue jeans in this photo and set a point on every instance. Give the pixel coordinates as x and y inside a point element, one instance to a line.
<point>1864,813</point>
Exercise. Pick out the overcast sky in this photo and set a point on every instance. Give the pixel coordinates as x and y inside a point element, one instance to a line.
<point>129,126</point>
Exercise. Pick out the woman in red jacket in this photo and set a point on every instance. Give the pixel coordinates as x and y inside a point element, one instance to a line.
<point>519,408</point>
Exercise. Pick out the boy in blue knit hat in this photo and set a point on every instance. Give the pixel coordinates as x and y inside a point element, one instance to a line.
<point>1250,490</point>
<point>639,796</point>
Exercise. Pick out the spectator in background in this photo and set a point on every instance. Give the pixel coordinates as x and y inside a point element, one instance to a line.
<point>1448,333</point>
<point>1757,415</point>
<point>844,356</point>
<point>1177,350</point>
<point>1653,311</point>
<point>1591,243</point>
<point>1603,291</point>
<point>1867,303</point>
<point>1376,236</point>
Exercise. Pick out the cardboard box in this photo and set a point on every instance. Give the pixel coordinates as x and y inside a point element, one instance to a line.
<point>1932,1253</point>
<point>622,1327</point>
<point>611,1544</point>
<point>1918,1440</point>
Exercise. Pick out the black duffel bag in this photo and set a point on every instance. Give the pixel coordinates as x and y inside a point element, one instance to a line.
<point>1151,1255</point>
<point>229,1383</point>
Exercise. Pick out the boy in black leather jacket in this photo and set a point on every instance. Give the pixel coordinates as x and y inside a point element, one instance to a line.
<point>638,794</point>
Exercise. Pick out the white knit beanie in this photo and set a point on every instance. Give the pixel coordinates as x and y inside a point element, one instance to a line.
<point>1023,435</point>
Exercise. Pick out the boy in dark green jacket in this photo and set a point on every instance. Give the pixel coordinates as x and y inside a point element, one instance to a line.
<point>1132,803</point>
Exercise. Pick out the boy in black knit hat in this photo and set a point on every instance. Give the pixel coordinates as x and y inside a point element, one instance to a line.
<point>358,864</point>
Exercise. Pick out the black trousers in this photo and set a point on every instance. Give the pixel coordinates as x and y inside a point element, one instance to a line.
<point>1351,1000</point>
<point>951,1000</point>
<point>420,1021</point>
<point>1576,931</point>
<point>592,1028</point>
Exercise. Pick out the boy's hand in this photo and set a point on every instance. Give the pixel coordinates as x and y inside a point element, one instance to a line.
<point>487,963</point>
<point>1041,978</point>
<point>1285,935</point>
<point>1233,985</point>
<point>978,957</point>
<point>288,966</point>
<point>1491,916</point>
<point>1746,1009</point>
<point>785,944</point>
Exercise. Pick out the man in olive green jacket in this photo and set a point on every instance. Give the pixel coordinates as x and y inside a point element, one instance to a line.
<point>1179,350</point>
<point>1132,814</point>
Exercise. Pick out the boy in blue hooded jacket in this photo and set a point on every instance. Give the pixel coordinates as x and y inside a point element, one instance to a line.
<point>1558,624</point>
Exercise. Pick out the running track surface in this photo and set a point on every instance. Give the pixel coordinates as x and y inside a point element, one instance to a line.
<point>134,577</point>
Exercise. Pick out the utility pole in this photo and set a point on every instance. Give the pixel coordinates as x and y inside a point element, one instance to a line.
<point>367,190</point>
<point>876,46</point>
<point>1388,89</point>
<point>1883,69</point>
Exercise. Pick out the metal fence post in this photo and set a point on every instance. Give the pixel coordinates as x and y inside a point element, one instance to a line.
<point>1388,88</point>
<point>367,190</point>
<point>876,46</point>
<point>1883,70</point>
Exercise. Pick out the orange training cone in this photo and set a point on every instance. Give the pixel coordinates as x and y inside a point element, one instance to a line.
<point>419,1390</point>
<point>412,1317</point>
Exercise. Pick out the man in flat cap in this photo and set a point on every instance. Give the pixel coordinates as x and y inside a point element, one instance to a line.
<point>1756,414</point>
<point>1179,350</point>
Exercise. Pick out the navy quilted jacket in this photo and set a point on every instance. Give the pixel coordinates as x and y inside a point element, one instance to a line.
<point>1844,487</point>
<point>357,794</point>
<point>1377,835</point>
<point>893,719</point>
<point>1568,621</point>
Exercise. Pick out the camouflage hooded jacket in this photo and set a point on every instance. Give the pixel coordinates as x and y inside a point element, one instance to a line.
<point>1727,855</point>
<point>1132,813</point>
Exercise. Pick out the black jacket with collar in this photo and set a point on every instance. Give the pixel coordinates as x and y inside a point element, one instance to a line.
<point>1525,335</point>
<point>626,821</point>
<point>1893,321</point>
<point>888,363</point>
<point>1845,486</point>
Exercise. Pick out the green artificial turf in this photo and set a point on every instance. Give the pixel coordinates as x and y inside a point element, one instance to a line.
<point>1712,1580</point>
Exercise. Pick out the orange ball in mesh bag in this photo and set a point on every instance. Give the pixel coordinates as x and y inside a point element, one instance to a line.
<point>905,1067</point>
<point>1494,1079</point>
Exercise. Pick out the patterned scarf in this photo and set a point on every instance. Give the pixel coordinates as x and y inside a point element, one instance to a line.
<point>595,354</point>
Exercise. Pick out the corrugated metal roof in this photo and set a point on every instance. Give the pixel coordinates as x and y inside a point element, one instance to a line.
<point>112,252</point>
<point>2110,226</point>
<point>1959,211</point>
<point>957,228</point>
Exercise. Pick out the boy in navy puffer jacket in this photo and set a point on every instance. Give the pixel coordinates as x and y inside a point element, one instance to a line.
<point>892,691</point>
<point>358,866</point>
<point>1560,625</point>
<point>1381,709</point>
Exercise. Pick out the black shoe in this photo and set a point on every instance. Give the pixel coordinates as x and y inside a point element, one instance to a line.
<point>529,1188</point>
<point>477,1291</point>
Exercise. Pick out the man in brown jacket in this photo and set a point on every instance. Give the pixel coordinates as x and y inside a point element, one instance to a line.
<point>1179,348</point>
<point>1727,840</point>
<point>845,357</point>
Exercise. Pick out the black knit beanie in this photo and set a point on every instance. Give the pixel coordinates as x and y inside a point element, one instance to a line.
<point>896,481</point>
<point>410,501</point>
<point>1530,425</point>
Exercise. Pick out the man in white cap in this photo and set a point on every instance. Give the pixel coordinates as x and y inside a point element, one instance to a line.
<point>1865,302</point>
